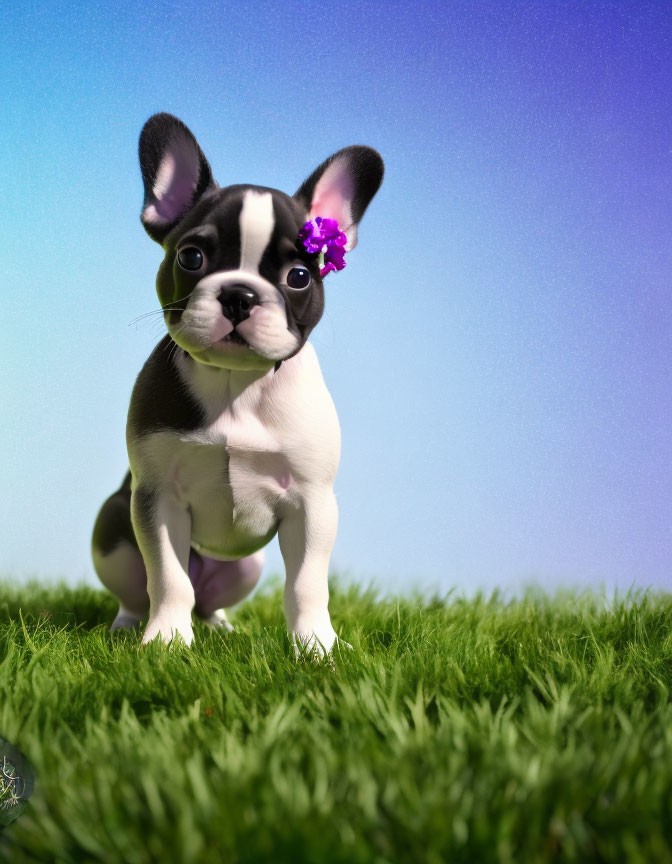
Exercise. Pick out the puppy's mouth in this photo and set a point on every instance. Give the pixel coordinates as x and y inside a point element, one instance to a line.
<point>234,338</point>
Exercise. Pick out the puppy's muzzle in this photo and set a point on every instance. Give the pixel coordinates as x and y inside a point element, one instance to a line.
<point>237,302</point>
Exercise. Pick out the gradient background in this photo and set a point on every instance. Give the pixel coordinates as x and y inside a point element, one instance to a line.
<point>498,347</point>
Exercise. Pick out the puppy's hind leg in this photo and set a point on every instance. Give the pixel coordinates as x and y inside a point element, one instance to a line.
<point>125,619</point>
<point>220,584</point>
<point>117,559</point>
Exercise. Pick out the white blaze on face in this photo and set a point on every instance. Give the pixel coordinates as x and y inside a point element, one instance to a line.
<point>203,326</point>
<point>266,328</point>
<point>256,226</point>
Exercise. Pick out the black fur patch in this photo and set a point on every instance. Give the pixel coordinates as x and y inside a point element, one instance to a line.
<point>158,134</point>
<point>217,215</point>
<point>366,168</point>
<point>219,211</point>
<point>303,308</point>
<point>160,399</point>
<point>113,523</point>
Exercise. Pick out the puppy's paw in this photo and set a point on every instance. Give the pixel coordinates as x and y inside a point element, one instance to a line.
<point>125,620</point>
<point>218,621</point>
<point>315,642</point>
<point>341,643</point>
<point>168,626</point>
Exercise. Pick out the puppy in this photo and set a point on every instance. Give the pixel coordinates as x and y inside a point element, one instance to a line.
<point>232,435</point>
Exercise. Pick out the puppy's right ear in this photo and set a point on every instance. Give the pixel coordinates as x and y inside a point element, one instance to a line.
<point>175,173</point>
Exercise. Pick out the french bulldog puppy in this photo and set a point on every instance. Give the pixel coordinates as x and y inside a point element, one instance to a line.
<point>232,435</point>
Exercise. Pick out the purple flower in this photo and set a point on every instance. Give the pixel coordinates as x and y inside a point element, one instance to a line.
<point>311,237</point>
<point>334,255</point>
<point>324,236</point>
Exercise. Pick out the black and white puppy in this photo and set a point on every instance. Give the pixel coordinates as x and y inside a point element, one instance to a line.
<point>232,435</point>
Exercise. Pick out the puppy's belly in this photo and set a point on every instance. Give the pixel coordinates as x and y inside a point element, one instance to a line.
<point>233,500</point>
<point>226,532</point>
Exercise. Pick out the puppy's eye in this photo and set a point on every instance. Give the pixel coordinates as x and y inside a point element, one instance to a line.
<point>190,258</point>
<point>299,277</point>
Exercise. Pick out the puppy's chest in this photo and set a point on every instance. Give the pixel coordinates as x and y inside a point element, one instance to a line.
<point>240,455</point>
<point>233,477</point>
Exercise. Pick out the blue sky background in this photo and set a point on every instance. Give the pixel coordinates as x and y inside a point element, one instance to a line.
<point>498,347</point>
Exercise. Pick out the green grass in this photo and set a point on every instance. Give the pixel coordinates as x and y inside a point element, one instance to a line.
<point>457,730</point>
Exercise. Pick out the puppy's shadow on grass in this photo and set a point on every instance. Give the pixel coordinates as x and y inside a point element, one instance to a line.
<point>57,603</point>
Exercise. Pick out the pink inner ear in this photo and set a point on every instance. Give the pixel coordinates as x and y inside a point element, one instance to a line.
<point>175,183</point>
<point>333,195</point>
<point>173,203</point>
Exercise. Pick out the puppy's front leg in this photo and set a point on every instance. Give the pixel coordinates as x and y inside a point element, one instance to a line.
<point>163,531</point>
<point>307,536</point>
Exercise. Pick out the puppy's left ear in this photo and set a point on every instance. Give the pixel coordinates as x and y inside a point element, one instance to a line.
<point>342,188</point>
<point>175,173</point>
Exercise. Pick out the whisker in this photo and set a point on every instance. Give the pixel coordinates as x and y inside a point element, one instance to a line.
<point>174,347</point>
<point>157,327</point>
<point>146,315</point>
<point>175,305</point>
<point>154,312</point>
<point>173,350</point>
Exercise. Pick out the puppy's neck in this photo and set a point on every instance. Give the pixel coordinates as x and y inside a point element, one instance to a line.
<point>216,384</point>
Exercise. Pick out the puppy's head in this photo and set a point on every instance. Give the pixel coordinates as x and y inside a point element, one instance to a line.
<point>238,288</point>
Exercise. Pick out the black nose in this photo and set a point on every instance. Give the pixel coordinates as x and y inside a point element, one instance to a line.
<point>237,301</point>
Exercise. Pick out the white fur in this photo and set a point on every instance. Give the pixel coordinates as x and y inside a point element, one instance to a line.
<point>125,619</point>
<point>219,620</point>
<point>203,323</point>
<point>165,551</point>
<point>203,326</point>
<point>256,226</point>
<point>275,437</point>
